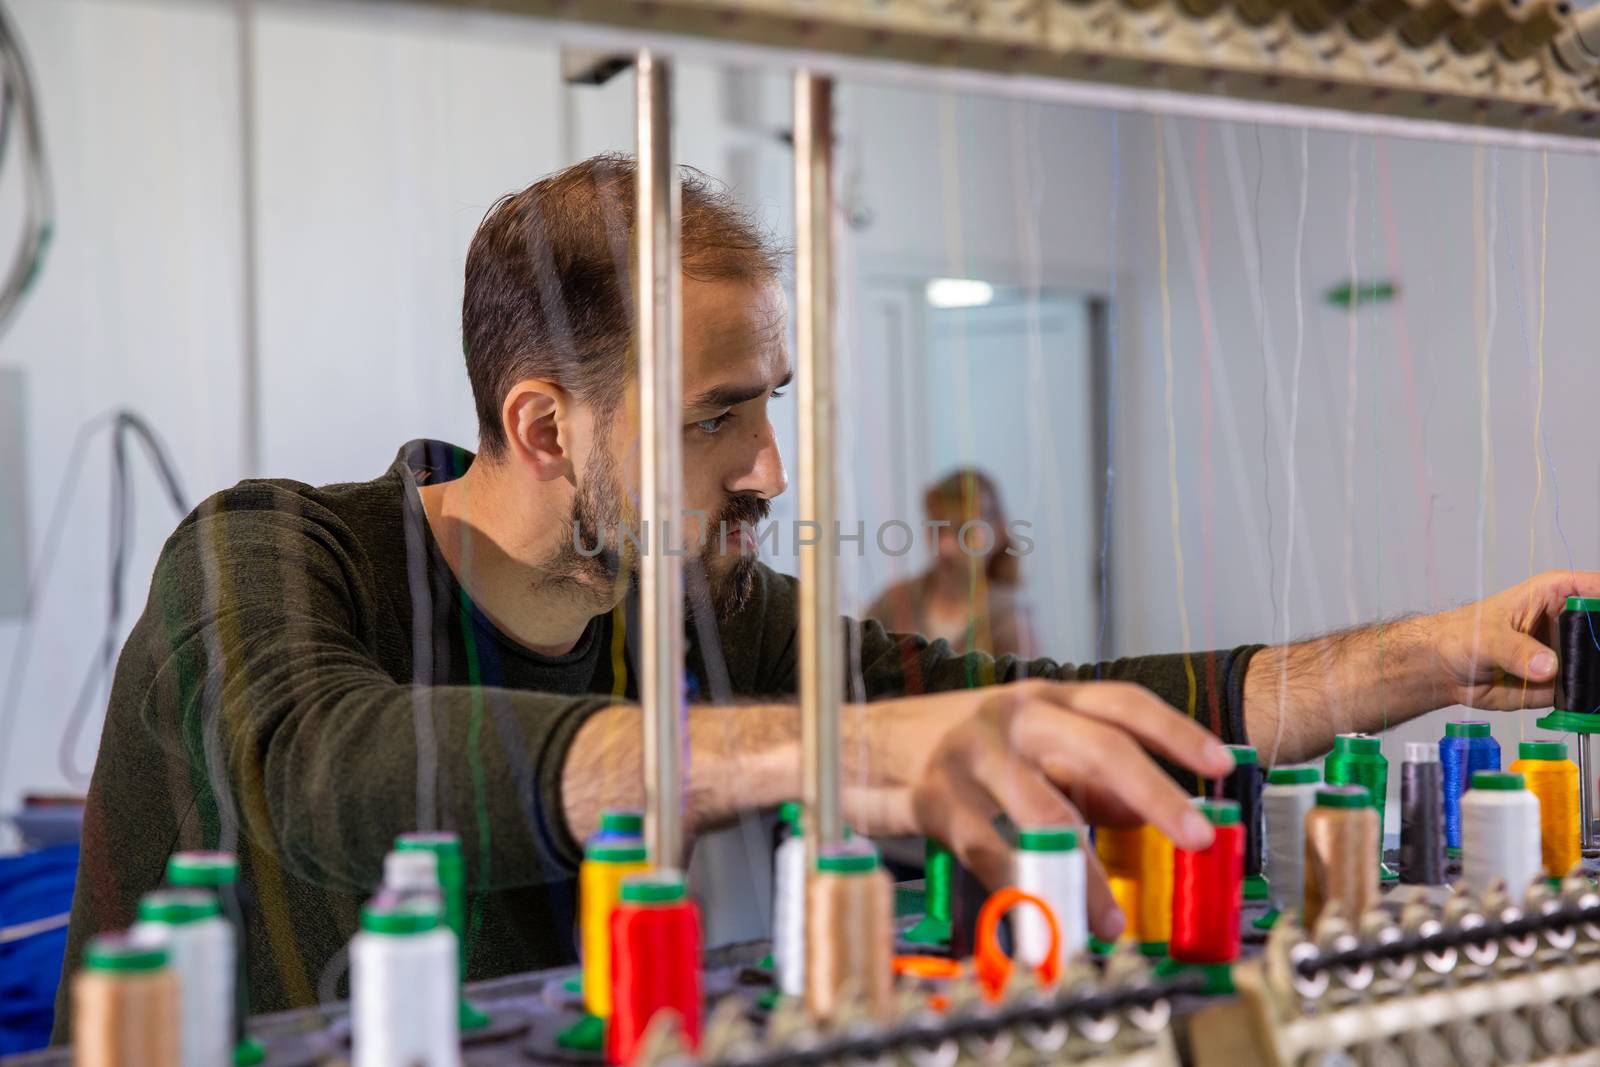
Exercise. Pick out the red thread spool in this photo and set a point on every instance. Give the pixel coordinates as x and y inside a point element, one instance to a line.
<point>655,962</point>
<point>1207,888</point>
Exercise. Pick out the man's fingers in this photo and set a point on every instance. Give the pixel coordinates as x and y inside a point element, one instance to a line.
<point>962,816</point>
<point>1098,758</point>
<point>1141,713</point>
<point>1031,799</point>
<point>1518,655</point>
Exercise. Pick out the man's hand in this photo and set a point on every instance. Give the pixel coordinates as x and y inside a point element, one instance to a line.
<point>1498,654</point>
<point>1043,753</point>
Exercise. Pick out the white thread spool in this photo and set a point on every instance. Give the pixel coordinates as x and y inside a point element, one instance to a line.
<point>188,923</point>
<point>1289,796</point>
<point>1499,833</point>
<point>1048,863</point>
<point>403,998</point>
<point>789,906</point>
<point>411,870</point>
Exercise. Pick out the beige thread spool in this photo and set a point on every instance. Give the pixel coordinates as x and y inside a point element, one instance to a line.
<point>849,932</point>
<point>1341,853</point>
<point>124,1006</point>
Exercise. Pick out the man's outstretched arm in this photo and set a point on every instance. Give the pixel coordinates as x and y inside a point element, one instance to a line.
<point>1495,654</point>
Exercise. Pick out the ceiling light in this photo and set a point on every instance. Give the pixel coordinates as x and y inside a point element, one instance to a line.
<point>959,293</point>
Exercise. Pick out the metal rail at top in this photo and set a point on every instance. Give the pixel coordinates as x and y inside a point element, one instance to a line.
<point>1518,73</point>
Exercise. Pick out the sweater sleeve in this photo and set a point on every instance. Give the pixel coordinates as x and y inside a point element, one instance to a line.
<point>1207,686</point>
<point>268,626</point>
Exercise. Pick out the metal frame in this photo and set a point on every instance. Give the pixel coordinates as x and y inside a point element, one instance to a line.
<point>658,316</point>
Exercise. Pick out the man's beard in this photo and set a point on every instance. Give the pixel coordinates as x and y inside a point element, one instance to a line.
<point>597,522</point>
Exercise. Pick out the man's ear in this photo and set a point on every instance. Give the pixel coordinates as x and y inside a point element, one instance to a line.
<point>534,417</point>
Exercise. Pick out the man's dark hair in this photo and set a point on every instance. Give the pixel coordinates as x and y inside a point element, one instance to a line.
<point>548,281</point>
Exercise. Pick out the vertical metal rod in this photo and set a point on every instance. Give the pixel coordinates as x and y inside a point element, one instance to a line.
<point>821,643</point>
<point>249,241</point>
<point>1585,795</point>
<point>658,307</point>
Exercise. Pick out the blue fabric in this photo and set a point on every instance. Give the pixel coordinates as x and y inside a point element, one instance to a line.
<point>34,885</point>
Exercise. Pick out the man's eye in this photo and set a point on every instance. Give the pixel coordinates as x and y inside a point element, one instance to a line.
<point>777,394</point>
<point>711,425</point>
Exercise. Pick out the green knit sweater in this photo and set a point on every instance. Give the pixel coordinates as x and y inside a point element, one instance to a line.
<point>308,680</point>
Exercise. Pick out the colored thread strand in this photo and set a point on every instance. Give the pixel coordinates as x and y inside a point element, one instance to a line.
<point>1538,397</point>
<point>1172,421</point>
<point>1352,383</point>
<point>1294,426</point>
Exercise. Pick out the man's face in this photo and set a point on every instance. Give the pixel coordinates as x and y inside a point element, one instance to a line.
<point>735,358</point>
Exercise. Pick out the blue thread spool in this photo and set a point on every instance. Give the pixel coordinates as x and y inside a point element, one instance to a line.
<point>1465,749</point>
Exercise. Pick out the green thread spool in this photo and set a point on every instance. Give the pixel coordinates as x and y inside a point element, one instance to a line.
<point>1357,759</point>
<point>446,847</point>
<point>939,865</point>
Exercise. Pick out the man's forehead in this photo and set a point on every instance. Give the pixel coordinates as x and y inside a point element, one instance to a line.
<point>733,331</point>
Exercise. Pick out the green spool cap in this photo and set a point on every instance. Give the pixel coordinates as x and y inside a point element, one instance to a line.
<point>1357,745</point>
<point>1583,603</point>
<point>1048,839</point>
<point>1243,753</point>
<point>1344,796</point>
<point>409,914</point>
<point>848,859</point>
<point>789,813</point>
<point>622,823</point>
<point>1504,781</point>
<point>654,888</point>
<point>178,906</point>
<point>118,953</point>
<point>1542,750</point>
<point>441,843</point>
<point>1293,776</point>
<point>616,850</point>
<point>203,868</point>
<point>1220,812</point>
<point>1468,728</point>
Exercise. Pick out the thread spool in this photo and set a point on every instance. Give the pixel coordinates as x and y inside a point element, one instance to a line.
<point>789,905</point>
<point>1357,759</point>
<point>1422,815</point>
<point>403,984</point>
<point>1048,864</point>
<point>1289,795</point>
<point>446,848</point>
<point>655,962</point>
<point>606,863</point>
<point>939,872</point>
<point>1375,17</point>
<point>1138,865</point>
<point>1553,779</point>
<point>1578,677</point>
<point>188,924</point>
<point>850,920</point>
<point>219,872</point>
<point>1544,23</point>
<point>124,1006</point>
<point>1499,833</point>
<point>1466,749</point>
<point>1341,853</point>
<point>1243,786</point>
<point>1207,890</point>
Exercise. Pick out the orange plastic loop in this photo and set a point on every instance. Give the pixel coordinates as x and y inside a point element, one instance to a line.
<point>994,966</point>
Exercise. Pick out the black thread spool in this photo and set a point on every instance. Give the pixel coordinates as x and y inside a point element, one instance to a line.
<point>1243,786</point>
<point>1422,815</point>
<point>1578,680</point>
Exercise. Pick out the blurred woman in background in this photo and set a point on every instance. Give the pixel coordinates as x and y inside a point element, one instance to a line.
<point>972,595</point>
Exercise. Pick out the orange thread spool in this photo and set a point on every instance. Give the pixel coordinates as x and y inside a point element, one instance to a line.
<point>994,966</point>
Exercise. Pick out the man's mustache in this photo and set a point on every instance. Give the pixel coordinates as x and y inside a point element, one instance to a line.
<point>746,509</point>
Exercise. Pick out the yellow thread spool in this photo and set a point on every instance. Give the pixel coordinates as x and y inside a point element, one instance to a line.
<point>1553,778</point>
<point>606,862</point>
<point>1138,866</point>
